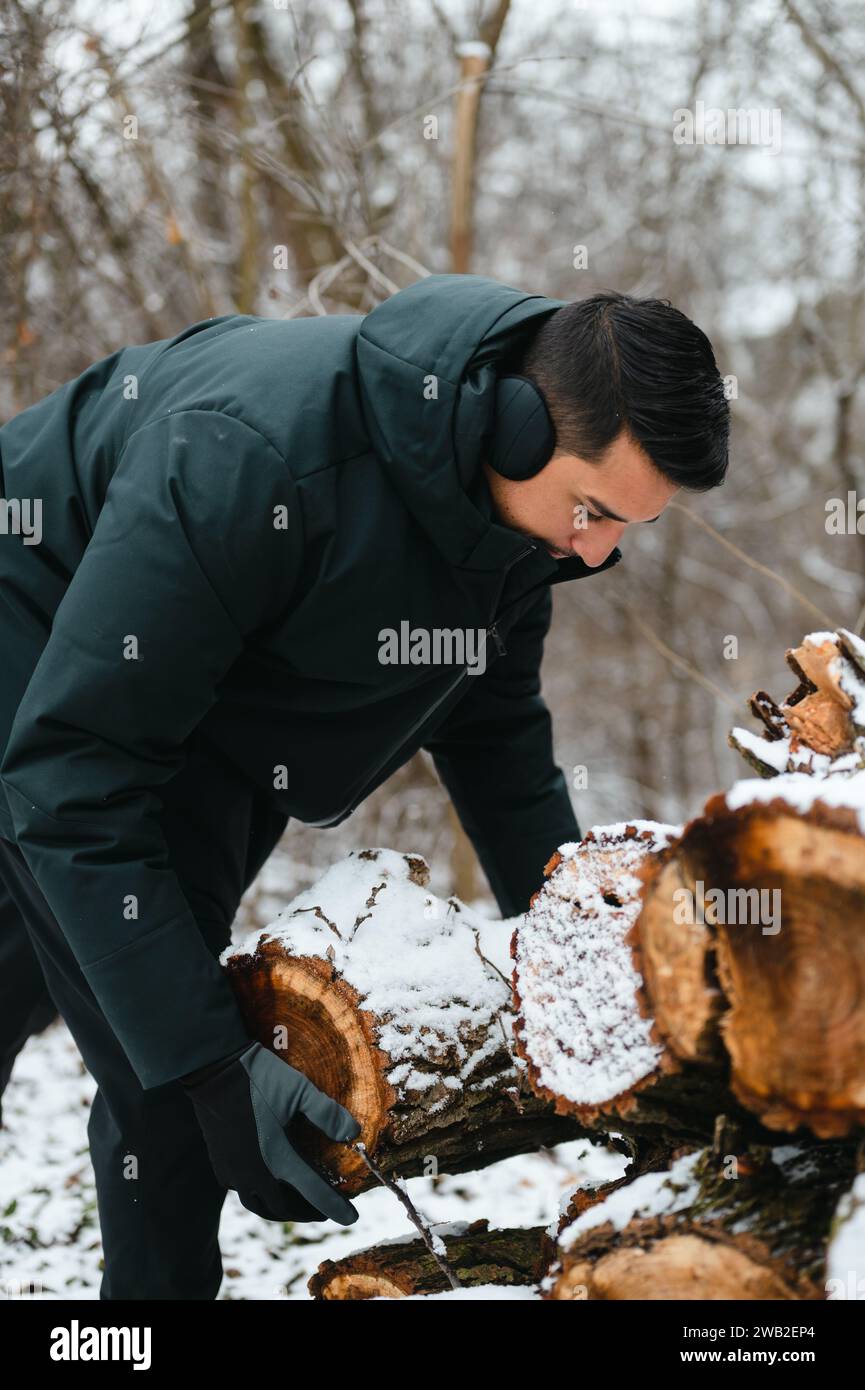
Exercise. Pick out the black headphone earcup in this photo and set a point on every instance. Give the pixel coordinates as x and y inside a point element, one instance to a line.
<point>523,437</point>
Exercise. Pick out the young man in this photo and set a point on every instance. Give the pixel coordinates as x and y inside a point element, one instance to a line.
<point>197,647</point>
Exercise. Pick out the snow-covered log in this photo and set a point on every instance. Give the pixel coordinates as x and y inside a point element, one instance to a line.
<point>396,1004</point>
<point>664,978</point>
<point>751,939</point>
<point>582,1029</point>
<point>398,1269</point>
<point>751,1224</point>
<point>820,727</point>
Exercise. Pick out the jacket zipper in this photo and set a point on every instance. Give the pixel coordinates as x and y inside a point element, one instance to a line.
<point>491,631</point>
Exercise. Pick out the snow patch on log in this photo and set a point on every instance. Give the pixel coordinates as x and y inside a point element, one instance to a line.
<point>579,1022</point>
<point>652,1194</point>
<point>802,792</point>
<point>676,1189</point>
<point>420,965</point>
<point>850,677</point>
<point>654,835</point>
<point>781,755</point>
<point>845,1259</point>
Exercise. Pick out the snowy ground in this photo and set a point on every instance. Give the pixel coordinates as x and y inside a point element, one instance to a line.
<point>49,1223</point>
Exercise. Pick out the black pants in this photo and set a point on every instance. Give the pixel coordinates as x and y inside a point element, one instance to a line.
<point>159,1202</point>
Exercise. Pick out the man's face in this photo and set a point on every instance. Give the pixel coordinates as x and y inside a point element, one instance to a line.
<point>580,508</point>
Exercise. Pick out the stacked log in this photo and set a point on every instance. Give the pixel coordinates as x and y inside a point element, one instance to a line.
<point>390,1000</point>
<point>663,979</point>
<point>687,993</point>
<point>744,960</point>
<point>401,1269</point>
<point>754,1224</point>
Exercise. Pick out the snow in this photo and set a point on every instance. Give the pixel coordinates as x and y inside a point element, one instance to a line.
<point>432,972</point>
<point>847,673</point>
<point>798,1164</point>
<point>781,756</point>
<point>774,752</point>
<point>49,1224</point>
<point>801,792</point>
<point>850,678</point>
<point>855,643</point>
<point>845,1261</point>
<point>581,1024</point>
<point>659,835</point>
<point>652,1194</point>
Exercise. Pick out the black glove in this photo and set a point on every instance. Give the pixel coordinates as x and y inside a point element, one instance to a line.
<point>243,1103</point>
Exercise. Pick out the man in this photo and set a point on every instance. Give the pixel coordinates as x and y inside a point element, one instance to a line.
<point>193,654</point>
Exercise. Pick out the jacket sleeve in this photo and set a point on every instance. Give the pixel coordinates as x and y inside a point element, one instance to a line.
<point>494,754</point>
<point>185,561</point>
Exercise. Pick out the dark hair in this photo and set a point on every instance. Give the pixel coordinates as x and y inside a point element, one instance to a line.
<point>612,362</point>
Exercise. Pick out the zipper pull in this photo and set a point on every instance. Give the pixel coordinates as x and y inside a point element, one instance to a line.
<point>500,646</point>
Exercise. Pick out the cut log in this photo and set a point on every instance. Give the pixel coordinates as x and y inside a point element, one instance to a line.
<point>820,727</point>
<point>675,962</point>
<point>477,1256</point>
<point>753,1224</point>
<point>661,981</point>
<point>589,1043</point>
<point>391,1002</point>
<point>775,873</point>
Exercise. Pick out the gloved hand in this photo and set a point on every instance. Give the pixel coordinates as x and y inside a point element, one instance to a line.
<point>243,1103</point>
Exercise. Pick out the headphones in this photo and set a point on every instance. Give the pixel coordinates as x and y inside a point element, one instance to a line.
<point>523,437</point>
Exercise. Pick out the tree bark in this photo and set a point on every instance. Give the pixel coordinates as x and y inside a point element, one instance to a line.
<point>477,1256</point>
